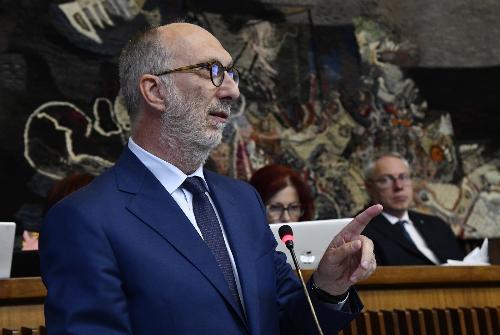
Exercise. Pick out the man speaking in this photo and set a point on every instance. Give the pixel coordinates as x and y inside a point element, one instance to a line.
<point>158,245</point>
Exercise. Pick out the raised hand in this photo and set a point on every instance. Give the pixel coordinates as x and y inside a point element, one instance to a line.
<point>349,258</point>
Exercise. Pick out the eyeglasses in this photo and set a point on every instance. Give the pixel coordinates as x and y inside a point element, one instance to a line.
<point>215,68</point>
<point>276,210</point>
<point>387,180</point>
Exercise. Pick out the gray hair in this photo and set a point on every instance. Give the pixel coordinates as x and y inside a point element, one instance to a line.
<point>369,170</point>
<point>143,54</point>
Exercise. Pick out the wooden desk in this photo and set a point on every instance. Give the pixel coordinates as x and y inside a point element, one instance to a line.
<point>413,287</point>
<point>21,300</point>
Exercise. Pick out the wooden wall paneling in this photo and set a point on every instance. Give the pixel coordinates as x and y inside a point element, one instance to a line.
<point>421,322</point>
<point>435,321</point>
<point>29,331</point>
<point>362,325</point>
<point>455,320</point>
<point>8,331</point>
<point>449,323</point>
<point>415,322</point>
<point>428,321</point>
<point>395,323</point>
<point>404,322</point>
<point>399,291</point>
<point>440,318</point>
<point>462,321</point>
<point>494,315</point>
<point>475,320</point>
<point>483,321</point>
<point>469,322</point>
<point>389,324</point>
<point>351,329</point>
<point>377,322</point>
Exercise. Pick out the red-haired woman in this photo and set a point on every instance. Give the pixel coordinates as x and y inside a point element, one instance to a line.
<point>285,194</point>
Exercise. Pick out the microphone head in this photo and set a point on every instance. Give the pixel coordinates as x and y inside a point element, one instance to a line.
<point>286,235</point>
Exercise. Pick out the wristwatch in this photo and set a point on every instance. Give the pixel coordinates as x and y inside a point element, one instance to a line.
<point>324,296</point>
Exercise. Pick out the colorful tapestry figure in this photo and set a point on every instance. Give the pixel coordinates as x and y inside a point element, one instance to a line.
<point>59,138</point>
<point>322,99</point>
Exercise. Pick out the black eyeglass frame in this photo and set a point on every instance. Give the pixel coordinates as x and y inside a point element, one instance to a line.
<point>404,178</point>
<point>287,209</point>
<point>207,66</point>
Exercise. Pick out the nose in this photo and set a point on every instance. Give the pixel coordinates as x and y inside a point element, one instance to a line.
<point>397,184</point>
<point>228,90</point>
<point>285,217</point>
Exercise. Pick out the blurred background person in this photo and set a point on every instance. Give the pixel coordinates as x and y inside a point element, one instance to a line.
<point>26,262</point>
<point>285,194</point>
<point>59,190</point>
<point>402,236</point>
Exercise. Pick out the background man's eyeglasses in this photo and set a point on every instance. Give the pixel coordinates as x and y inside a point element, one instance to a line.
<point>386,181</point>
<point>276,210</point>
<point>216,69</point>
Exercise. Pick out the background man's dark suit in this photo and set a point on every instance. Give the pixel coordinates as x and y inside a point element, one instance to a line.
<point>392,248</point>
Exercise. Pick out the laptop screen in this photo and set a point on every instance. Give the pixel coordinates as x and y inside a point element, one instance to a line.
<point>311,238</point>
<point>7,232</point>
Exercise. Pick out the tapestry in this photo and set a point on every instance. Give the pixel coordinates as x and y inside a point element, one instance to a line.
<point>321,99</point>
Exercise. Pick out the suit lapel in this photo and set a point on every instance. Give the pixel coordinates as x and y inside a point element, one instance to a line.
<point>155,207</point>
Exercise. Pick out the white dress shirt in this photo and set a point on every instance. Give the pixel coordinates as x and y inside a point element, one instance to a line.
<point>172,178</point>
<point>414,235</point>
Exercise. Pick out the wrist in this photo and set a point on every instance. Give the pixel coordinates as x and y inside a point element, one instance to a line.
<point>324,296</point>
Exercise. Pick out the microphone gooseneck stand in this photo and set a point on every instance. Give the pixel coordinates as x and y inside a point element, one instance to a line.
<point>289,244</point>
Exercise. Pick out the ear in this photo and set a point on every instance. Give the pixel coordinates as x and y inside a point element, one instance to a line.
<point>150,87</point>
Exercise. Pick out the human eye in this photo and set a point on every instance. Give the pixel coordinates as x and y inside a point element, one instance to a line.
<point>404,177</point>
<point>295,207</point>
<point>383,180</point>
<point>215,68</point>
<point>275,208</point>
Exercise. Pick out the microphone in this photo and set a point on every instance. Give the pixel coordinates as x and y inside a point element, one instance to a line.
<point>286,235</point>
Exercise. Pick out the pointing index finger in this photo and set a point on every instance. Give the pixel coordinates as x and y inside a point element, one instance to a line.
<point>356,226</point>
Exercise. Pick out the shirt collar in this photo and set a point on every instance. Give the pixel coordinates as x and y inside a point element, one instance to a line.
<point>167,174</point>
<point>393,219</point>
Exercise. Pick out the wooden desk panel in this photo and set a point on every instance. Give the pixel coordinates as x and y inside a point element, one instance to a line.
<point>21,302</point>
<point>21,299</point>
<point>402,287</point>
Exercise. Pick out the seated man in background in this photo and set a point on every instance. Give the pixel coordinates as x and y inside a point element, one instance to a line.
<point>404,237</point>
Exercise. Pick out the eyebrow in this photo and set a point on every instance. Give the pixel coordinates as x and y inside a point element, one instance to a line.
<point>211,60</point>
<point>393,175</point>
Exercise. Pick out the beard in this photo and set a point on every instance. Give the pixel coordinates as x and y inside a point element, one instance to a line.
<point>186,128</point>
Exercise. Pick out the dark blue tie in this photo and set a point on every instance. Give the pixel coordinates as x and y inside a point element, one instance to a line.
<point>210,229</point>
<point>401,225</point>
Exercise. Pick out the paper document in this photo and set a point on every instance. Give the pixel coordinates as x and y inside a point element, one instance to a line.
<point>478,256</point>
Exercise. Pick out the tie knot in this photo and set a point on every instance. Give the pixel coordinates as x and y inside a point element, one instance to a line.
<point>194,185</point>
<point>401,223</point>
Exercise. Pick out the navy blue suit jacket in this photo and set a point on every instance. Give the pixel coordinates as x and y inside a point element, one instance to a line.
<point>120,257</point>
<point>392,248</point>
